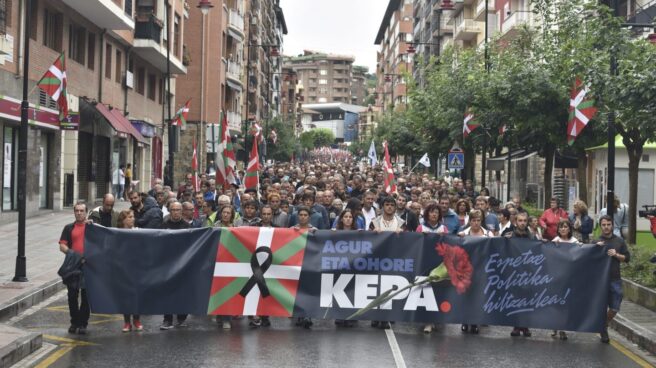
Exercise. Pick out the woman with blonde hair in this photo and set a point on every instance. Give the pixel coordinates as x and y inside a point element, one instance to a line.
<point>580,222</point>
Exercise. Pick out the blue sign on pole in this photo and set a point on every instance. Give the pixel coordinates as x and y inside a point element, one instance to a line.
<point>456,159</point>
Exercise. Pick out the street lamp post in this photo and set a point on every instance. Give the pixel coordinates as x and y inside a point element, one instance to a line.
<point>20,274</point>
<point>171,127</point>
<point>205,6</point>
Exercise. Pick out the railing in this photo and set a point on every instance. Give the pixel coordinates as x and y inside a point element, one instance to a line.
<point>234,70</point>
<point>467,26</point>
<point>481,6</point>
<point>514,20</point>
<point>234,119</point>
<point>236,20</point>
<point>148,27</point>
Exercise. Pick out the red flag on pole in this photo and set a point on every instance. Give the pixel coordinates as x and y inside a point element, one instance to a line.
<point>581,110</point>
<point>390,181</point>
<point>251,180</point>
<point>53,83</point>
<point>180,118</point>
<point>226,163</point>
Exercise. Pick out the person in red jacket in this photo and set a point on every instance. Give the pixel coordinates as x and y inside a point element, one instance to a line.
<point>550,218</point>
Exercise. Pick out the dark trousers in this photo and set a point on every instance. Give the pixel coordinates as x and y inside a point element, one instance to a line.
<point>126,318</point>
<point>169,318</point>
<point>79,310</point>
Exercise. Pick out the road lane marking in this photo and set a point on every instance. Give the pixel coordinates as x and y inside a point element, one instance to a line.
<point>638,360</point>
<point>396,350</point>
<point>69,341</point>
<point>47,362</point>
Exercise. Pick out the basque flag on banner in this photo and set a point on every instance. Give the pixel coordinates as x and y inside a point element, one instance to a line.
<point>257,271</point>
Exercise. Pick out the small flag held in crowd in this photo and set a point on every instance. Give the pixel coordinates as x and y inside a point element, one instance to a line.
<point>256,131</point>
<point>227,161</point>
<point>194,167</point>
<point>390,181</point>
<point>180,118</point>
<point>469,125</point>
<point>252,178</point>
<point>424,160</point>
<point>53,83</point>
<point>372,154</point>
<point>581,110</point>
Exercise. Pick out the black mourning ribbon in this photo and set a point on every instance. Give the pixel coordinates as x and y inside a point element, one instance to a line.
<point>258,273</point>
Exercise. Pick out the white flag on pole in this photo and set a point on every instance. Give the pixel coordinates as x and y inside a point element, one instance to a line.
<point>372,154</point>
<point>424,160</point>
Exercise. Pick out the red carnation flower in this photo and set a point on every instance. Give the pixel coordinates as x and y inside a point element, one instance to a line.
<point>457,265</point>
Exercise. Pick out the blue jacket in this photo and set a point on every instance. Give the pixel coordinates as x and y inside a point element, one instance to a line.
<point>450,220</point>
<point>587,225</point>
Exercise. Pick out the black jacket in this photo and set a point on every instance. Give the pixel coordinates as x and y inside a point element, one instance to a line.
<point>71,270</point>
<point>150,216</point>
<point>411,221</point>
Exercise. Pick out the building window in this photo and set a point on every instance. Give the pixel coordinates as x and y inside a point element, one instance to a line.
<point>152,86</point>
<point>5,15</point>
<point>323,81</point>
<point>323,72</point>
<point>91,51</point>
<point>176,36</point>
<point>53,29</point>
<point>108,61</point>
<point>77,42</point>
<point>141,80</point>
<point>119,66</point>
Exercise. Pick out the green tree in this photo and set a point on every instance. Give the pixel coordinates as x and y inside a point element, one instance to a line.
<point>316,138</point>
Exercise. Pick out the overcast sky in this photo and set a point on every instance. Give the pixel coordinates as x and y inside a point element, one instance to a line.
<point>345,27</point>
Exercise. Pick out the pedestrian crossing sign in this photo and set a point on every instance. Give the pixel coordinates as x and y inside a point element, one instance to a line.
<point>456,159</point>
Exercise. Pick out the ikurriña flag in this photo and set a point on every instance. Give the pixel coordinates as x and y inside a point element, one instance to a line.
<point>180,118</point>
<point>469,124</point>
<point>257,271</point>
<point>390,181</point>
<point>251,180</point>
<point>581,110</point>
<point>53,83</point>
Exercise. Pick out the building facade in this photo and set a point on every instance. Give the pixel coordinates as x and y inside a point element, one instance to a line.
<point>116,72</point>
<point>394,38</point>
<point>323,77</point>
<point>359,91</point>
<point>431,33</point>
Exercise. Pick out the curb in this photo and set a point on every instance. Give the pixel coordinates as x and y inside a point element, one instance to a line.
<point>20,348</point>
<point>19,304</point>
<point>644,338</point>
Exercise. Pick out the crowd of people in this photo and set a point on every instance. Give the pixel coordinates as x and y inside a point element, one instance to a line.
<point>340,196</point>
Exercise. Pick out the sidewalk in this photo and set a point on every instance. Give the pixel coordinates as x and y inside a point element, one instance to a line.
<point>637,324</point>
<point>43,261</point>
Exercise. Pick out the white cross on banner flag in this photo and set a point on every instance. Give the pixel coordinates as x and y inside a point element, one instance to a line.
<point>424,160</point>
<point>372,154</point>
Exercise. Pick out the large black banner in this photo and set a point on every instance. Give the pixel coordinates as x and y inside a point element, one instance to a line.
<point>328,274</point>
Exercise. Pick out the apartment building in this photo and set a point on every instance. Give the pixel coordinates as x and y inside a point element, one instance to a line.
<point>116,72</point>
<point>324,77</point>
<point>394,39</point>
<point>359,90</point>
<point>431,33</point>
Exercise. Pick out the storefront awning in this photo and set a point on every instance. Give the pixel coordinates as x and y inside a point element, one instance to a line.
<point>120,123</point>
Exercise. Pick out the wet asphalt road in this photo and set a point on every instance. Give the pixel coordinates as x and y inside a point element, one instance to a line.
<point>204,344</point>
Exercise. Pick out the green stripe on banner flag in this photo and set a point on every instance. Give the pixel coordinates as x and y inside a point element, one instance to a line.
<point>585,104</point>
<point>235,247</point>
<point>51,81</point>
<point>226,293</point>
<point>282,295</point>
<point>291,248</point>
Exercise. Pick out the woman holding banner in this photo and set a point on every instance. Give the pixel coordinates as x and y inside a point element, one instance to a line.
<point>226,219</point>
<point>565,236</point>
<point>126,221</point>
<point>345,221</point>
<point>474,230</point>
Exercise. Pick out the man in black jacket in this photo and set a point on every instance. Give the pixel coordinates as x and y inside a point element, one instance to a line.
<point>411,221</point>
<point>520,231</point>
<point>174,222</point>
<point>72,240</point>
<point>147,213</point>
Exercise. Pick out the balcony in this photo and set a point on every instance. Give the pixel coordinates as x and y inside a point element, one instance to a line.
<point>480,10</point>
<point>233,74</point>
<point>515,20</point>
<point>234,121</point>
<point>148,44</point>
<point>6,46</point>
<point>466,30</point>
<point>103,13</point>
<point>236,25</point>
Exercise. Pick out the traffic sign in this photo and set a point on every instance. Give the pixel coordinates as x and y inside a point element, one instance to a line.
<point>456,159</point>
